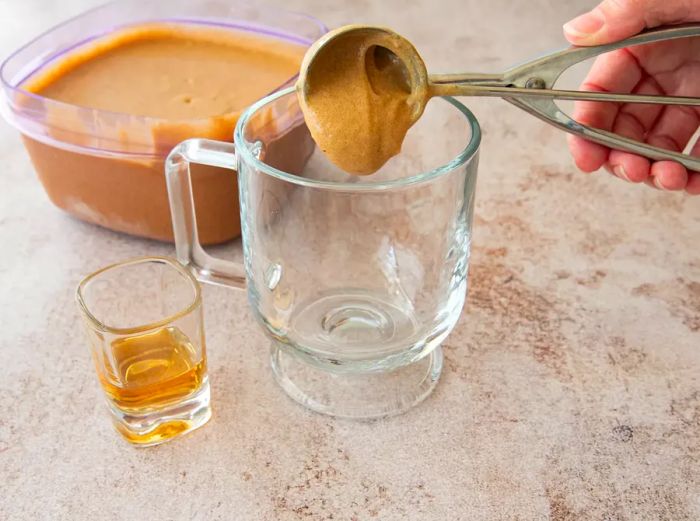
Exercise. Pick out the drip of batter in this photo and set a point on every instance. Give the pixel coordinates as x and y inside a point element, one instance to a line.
<point>349,93</point>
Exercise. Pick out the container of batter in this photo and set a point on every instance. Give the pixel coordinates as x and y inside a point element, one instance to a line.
<point>101,99</point>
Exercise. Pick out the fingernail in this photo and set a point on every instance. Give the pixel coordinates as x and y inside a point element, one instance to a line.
<point>619,171</point>
<point>585,26</point>
<point>658,184</point>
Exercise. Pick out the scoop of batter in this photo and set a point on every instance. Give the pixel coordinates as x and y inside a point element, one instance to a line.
<point>356,99</point>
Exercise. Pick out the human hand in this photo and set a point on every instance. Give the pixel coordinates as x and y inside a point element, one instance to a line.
<point>664,68</point>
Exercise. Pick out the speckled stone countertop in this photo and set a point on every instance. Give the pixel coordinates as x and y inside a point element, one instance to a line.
<point>572,383</point>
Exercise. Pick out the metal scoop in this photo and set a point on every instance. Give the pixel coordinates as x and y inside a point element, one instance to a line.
<point>528,86</point>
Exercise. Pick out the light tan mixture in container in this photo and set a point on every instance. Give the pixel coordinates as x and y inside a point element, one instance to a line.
<point>171,72</point>
<point>195,81</point>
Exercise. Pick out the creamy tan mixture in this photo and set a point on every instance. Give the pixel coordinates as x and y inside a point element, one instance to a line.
<point>196,80</point>
<point>170,72</point>
<point>357,102</point>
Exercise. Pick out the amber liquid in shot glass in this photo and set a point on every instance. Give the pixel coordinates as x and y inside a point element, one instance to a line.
<point>153,371</point>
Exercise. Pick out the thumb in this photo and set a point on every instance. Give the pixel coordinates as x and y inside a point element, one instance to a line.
<point>614,20</point>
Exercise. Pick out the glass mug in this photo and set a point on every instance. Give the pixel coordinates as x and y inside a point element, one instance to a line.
<point>356,280</point>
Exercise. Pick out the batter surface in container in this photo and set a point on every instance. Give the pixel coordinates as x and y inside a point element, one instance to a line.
<point>171,72</point>
<point>138,92</point>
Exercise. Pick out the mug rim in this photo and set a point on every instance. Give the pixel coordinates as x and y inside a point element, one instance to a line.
<point>464,156</point>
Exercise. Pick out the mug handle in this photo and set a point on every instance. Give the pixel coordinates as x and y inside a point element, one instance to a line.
<point>179,181</point>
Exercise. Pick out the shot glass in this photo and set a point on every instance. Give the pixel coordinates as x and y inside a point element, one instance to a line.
<point>144,324</point>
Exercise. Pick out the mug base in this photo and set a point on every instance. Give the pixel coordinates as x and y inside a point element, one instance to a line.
<point>356,395</point>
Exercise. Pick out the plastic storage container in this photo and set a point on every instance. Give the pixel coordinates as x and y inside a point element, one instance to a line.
<point>107,167</point>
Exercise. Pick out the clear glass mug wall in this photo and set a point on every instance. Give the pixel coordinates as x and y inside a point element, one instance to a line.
<point>357,280</point>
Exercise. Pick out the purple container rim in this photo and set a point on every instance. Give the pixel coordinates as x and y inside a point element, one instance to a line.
<point>184,21</point>
<point>233,24</point>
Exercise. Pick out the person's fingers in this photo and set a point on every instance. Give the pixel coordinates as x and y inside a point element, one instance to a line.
<point>666,60</point>
<point>674,128</point>
<point>614,20</point>
<point>672,131</point>
<point>609,21</point>
<point>616,71</point>
<point>668,175</point>
<point>587,155</point>
<point>669,128</point>
<point>693,186</point>
<point>634,121</point>
<point>628,166</point>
